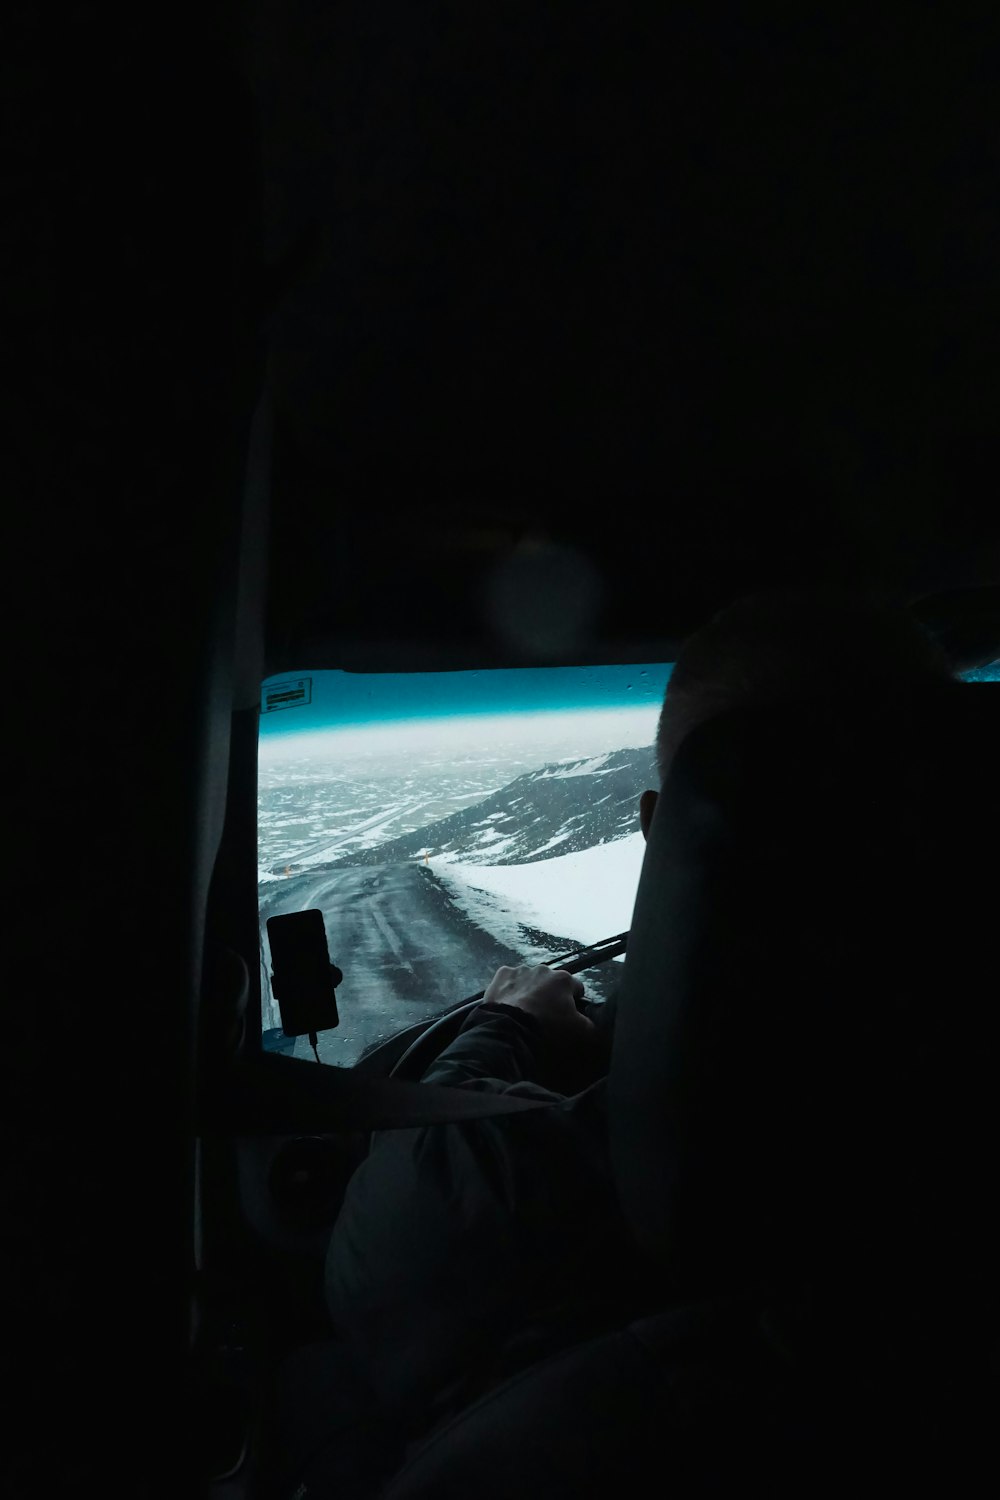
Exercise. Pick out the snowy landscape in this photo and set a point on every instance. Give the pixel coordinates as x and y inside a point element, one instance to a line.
<point>439,850</point>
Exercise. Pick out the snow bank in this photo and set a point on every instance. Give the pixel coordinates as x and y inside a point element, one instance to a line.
<point>583,897</point>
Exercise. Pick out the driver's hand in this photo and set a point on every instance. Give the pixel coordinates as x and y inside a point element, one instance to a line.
<point>549,995</point>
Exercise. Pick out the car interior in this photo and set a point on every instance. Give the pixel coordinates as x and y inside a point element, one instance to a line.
<point>378,348</point>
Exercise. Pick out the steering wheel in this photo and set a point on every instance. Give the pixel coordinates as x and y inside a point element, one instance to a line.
<point>439,1034</point>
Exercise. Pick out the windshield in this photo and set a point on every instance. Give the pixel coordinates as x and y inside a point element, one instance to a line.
<point>447,824</point>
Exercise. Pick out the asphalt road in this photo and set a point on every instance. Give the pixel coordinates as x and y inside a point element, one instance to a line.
<point>406,950</point>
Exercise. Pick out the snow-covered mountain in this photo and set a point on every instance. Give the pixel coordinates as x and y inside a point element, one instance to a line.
<point>559,809</point>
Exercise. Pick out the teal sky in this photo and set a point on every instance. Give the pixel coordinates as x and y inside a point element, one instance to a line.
<point>320,700</point>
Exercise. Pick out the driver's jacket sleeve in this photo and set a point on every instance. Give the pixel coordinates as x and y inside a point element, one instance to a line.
<point>460,1247</point>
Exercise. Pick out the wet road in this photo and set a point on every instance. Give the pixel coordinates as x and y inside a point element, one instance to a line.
<point>406,950</point>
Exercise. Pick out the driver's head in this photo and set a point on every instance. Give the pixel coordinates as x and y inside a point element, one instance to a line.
<point>773,645</point>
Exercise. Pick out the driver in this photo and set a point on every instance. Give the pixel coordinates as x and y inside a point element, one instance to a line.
<point>467,1250</point>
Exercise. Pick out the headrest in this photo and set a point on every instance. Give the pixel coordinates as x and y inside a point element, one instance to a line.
<point>805,1046</point>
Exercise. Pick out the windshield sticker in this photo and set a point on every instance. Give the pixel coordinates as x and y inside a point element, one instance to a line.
<point>294,692</point>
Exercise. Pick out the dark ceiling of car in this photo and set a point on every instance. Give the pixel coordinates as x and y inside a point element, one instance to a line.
<point>591,317</point>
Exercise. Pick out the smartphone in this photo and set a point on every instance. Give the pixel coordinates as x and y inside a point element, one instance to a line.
<point>303,980</point>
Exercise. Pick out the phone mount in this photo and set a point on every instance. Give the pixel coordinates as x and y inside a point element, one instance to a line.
<point>303,980</point>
